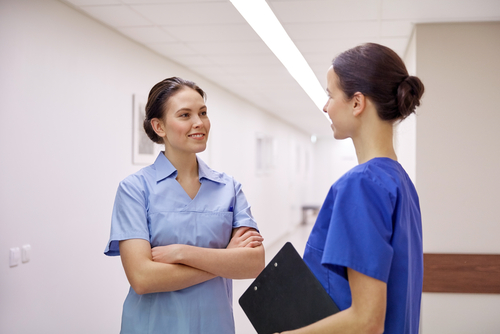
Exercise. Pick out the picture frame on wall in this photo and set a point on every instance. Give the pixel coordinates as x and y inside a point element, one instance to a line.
<point>144,150</point>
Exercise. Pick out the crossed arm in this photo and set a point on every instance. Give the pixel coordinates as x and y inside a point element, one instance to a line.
<point>366,314</point>
<point>175,267</point>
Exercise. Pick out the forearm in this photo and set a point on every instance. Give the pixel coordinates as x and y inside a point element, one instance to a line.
<point>146,276</point>
<point>345,322</point>
<point>236,263</point>
<point>161,277</point>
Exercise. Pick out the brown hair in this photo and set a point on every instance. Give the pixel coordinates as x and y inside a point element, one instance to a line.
<point>158,99</point>
<point>380,74</point>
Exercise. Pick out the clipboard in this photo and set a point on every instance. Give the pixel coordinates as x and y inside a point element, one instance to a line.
<point>286,295</point>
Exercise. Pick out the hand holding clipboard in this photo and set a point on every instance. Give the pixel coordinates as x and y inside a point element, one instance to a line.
<point>286,295</point>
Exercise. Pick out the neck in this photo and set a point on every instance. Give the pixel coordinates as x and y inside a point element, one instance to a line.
<point>186,164</point>
<point>374,141</point>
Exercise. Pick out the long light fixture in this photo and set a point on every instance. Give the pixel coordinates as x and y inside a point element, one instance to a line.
<point>262,19</point>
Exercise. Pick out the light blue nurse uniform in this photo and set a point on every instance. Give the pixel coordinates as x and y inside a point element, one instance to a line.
<point>153,206</point>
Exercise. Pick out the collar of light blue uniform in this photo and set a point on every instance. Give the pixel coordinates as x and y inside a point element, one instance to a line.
<point>164,169</point>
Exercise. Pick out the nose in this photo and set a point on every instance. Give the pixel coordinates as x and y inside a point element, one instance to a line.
<point>326,105</point>
<point>197,122</point>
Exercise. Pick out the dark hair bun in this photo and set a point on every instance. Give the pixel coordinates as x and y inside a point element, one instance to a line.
<point>409,93</point>
<point>380,74</point>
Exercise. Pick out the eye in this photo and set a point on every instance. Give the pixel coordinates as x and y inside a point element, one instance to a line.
<point>203,113</point>
<point>185,115</point>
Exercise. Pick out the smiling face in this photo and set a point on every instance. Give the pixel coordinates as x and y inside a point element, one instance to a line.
<point>185,125</point>
<point>338,108</point>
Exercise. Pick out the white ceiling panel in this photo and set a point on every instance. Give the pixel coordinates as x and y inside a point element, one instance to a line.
<point>232,48</point>
<point>148,2</point>
<point>325,11</point>
<point>213,33</point>
<point>330,46</point>
<point>187,13</point>
<point>263,59</point>
<point>442,10</point>
<point>332,30</point>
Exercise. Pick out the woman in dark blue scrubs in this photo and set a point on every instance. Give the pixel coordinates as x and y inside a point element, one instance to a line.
<point>366,245</point>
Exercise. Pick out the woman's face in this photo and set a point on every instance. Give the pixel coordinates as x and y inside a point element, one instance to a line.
<point>186,122</point>
<point>338,108</point>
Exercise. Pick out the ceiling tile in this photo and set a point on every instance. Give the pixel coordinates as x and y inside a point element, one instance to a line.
<point>325,11</point>
<point>330,46</point>
<point>188,13</point>
<point>213,33</point>
<point>224,48</point>
<point>331,30</point>
<point>147,2</point>
<point>443,10</point>
<point>245,59</point>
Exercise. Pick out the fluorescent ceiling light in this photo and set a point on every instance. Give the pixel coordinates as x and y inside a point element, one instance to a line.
<point>262,19</point>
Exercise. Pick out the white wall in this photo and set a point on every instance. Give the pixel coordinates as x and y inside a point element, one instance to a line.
<point>66,88</point>
<point>458,160</point>
<point>333,158</point>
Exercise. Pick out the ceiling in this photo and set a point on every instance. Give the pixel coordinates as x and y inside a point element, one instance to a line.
<point>211,38</point>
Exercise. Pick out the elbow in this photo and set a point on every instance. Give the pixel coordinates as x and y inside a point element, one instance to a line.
<point>139,288</point>
<point>139,284</point>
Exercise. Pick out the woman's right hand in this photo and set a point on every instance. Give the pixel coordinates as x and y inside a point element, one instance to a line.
<point>245,237</point>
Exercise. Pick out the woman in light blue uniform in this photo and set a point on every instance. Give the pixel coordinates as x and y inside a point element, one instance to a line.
<point>182,229</point>
<point>366,245</point>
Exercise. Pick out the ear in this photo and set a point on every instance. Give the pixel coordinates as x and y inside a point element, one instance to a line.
<point>358,103</point>
<point>158,127</point>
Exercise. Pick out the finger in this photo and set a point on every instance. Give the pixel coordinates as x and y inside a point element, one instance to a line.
<point>247,241</point>
<point>254,244</point>
<point>240,231</point>
<point>251,233</point>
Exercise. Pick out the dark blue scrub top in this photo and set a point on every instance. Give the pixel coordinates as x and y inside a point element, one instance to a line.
<point>370,222</point>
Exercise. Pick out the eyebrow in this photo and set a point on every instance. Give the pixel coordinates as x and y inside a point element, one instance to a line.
<point>187,109</point>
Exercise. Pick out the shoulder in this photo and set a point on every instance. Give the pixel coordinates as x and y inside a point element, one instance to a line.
<point>380,175</point>
<point>139,179</point>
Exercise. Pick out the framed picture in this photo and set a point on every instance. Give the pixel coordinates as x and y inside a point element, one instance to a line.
<point>144,151</point>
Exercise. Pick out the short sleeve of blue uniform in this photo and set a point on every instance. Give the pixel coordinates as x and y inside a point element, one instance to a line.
<point>129,217</point>
<point>360,229</point>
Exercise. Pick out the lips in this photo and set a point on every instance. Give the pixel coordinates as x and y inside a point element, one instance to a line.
<point>197,135</point>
